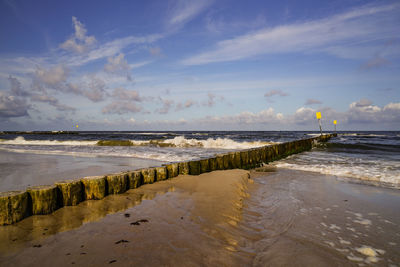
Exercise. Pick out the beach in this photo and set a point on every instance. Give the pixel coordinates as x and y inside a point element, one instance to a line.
<point>222,218</point>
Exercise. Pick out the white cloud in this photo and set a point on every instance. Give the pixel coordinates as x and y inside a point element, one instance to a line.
<point>392,106</point>
<point>124,102</point>
<point>211,100</point>
<point>272,93</point>
<point>362,103</point>
<point>184,11</point>
<point>166,106</point>
<point>139,64</point>
<point>12,106</point>
<point>110,49</point>
<point>16,87</point>
<point>345,29</point>
<point>187,104</point>
<point>121,107</point>
<point>117,64</point>
<point>364,111</point>
<point>52,77</point>
<point>311,101</point>
<point>79,42</point>
<point>275,92</point>
<point>96,90</point>
<point>51,101</point>
<point>127,95</point>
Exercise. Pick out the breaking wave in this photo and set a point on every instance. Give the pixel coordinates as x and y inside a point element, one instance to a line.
<point>384,172</point>
<point>222,143</point>
<point>21,141</point>
<point>179,141</point>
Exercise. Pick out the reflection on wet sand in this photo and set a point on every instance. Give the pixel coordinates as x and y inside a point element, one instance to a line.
<point>187,219</point>
<point>70,217</point>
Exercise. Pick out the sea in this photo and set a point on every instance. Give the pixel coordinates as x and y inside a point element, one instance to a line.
<point>365,157</point>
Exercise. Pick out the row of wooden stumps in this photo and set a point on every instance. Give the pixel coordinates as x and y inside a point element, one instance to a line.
<point>38,200</point>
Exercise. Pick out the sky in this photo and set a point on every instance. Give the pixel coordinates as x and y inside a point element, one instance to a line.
<point>199,65</point>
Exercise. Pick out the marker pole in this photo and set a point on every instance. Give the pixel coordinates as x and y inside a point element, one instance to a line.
<point>320,128</point>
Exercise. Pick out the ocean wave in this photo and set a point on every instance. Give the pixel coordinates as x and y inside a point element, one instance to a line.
<point>313,134</point>
<point>182,142</point>
<point>363,134</point>
<point>178,141</point>
<point>21,141</point>
<point>221,143</point>
<point>372,173</point>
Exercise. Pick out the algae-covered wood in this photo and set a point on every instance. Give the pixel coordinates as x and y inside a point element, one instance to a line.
<point>94,187</point>
<point>117,183</point>
<point>14,206</point>
<point>44,199</point>
<point>71,192</point>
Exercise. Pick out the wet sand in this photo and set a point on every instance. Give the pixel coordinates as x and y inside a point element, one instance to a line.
<point>21,170</point>
<point>223,218</point>
<point>308,219</point>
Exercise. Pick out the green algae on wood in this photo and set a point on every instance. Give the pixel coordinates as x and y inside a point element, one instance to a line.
<point>244,157</point>
<point>117,183</point>
<point>135,179</point>
<point>194,167</point>
<point>149,175</point>
<point>183,168</point>
<point>204,165</point>
<point>213,164</point>
<point>172,170</point>
<point>161,173</point>
<point>44,199</point>
<point>220,162</point>
<point>71,192</point>
<point>235,160</point>
<point>94,187</point>
<point>14,206</point>
<point>227,162</point>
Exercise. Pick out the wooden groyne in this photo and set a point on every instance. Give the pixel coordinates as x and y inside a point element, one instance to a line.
<point>38,200</point>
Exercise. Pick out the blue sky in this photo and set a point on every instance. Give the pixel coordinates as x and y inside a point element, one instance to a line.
<point>199,65</point>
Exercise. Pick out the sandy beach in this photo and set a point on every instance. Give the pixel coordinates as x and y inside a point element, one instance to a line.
<point>221,218</point>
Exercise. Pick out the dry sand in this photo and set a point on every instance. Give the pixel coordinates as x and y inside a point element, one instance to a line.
<point>223,218</point>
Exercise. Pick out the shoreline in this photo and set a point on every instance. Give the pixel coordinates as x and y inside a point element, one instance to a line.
<point>40,200</point>
<point>273,218</point>
<point>351,180</point>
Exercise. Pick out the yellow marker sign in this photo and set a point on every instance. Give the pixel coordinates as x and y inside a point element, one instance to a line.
<point>318,114</point>
<point>77,126</point>
<point>335,122</point>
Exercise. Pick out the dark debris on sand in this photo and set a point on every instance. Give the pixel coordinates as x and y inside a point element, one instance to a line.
<point>139,221</point>
<point>122,241</point>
